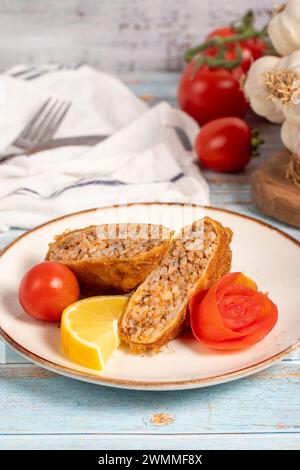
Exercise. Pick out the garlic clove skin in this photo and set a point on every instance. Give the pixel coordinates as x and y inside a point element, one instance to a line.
<point>284,28</point>
<point>290,136</point>
<point>267,110</point>
<point>292,116</point>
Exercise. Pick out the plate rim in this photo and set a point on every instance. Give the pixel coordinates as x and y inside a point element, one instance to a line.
<point>142,384</point>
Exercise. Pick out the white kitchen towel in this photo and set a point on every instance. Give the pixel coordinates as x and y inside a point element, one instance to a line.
<point>142,160</point>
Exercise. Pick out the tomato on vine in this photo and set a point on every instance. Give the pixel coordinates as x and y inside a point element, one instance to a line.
<point>252,48</point>
<point>209,87</point>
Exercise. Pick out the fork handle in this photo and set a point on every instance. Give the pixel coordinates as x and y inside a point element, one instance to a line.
<point>11,151</point>
<point>87,140</point>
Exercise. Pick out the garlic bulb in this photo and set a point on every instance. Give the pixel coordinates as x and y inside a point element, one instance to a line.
<point>290,136</point>
<point>284,28</point>
<point>257,93</point>
<point>283,86</point>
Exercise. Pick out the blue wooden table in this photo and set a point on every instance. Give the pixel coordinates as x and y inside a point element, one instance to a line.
<point>41,410</point>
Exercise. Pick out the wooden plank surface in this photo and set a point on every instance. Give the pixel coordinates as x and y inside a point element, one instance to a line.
<point>35,401</point>
<point>118,35</point>
<point>39,409</point>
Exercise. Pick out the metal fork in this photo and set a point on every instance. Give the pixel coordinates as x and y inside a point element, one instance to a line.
<point>40,128</point>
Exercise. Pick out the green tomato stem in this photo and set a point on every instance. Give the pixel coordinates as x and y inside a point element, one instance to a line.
<point>256,142</point>
<point>218,41</point>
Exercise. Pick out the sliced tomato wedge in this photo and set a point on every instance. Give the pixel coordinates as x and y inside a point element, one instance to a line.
<point>232,314</point>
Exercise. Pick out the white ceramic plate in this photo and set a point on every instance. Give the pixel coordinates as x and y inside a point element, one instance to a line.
<point>269,256</point>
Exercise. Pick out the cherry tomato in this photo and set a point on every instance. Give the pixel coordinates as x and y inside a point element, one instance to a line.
<point>210,93</point>
<point>224,144</point>
<point>223,32</point>
<point>257,47</point>
<point>46,289</point>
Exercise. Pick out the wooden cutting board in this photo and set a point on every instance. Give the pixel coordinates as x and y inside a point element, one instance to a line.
<point>273,194</point>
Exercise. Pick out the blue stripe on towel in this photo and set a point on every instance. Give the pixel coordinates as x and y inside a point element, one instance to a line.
<point>81,183</point>
<point>177,177</point>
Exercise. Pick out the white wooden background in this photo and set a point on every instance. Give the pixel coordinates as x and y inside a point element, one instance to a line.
<point>114,35</point>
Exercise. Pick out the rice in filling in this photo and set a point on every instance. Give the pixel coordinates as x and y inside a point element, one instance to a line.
<point>168,288</point>
<point>109,240</point>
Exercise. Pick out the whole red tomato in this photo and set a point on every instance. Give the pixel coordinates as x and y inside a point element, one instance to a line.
<point>224,144</point>
<point>210,93</point>
<point>47,289</point>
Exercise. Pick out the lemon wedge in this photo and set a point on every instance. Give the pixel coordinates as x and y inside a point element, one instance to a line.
<point>89,329</point>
